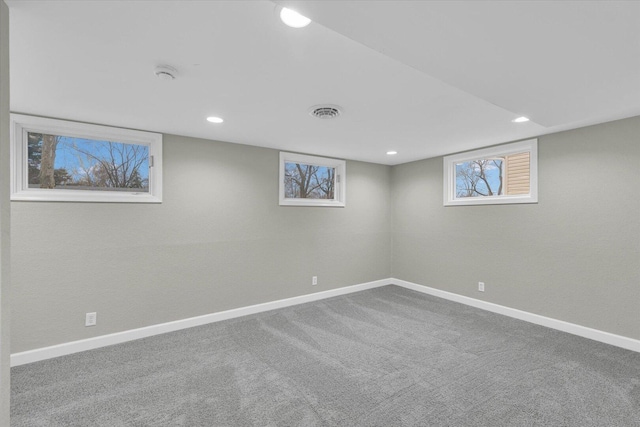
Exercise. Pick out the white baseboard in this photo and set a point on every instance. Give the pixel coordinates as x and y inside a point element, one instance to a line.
<point>572,328</point>
<point>44,353</point>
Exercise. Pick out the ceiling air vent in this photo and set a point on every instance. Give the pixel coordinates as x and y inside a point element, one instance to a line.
<point>325,112</point>
<point>165,72</point>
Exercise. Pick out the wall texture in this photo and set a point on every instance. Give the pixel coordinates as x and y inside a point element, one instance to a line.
<point>574,256</point>
<point>4,216</point>
<point>218,241</point>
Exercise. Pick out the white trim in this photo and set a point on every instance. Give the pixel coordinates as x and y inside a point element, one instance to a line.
<point>340,190</point>
<point>44,353</point>
<point>560,325</point>
<point>22,124</point>
<point>449,174</point>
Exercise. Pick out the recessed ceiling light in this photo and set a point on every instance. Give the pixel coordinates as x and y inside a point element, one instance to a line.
<point>392,153</point>
<point>520,119</point>
<point>293,18</point>
<point>214,119</point>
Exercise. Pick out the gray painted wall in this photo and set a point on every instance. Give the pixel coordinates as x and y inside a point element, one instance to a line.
<point>4,216</point>
<point>218,241</point>
<point>574,256</point>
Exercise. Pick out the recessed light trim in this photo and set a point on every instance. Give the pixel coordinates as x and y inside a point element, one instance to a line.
<point>293,19</point>
<point>522,119</point>
<point>392,153</point>
<point>214,119</point>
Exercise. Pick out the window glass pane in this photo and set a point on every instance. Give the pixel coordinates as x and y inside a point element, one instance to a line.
<point>482,177</point>
<point>302,181</point>
<point>70,163</point>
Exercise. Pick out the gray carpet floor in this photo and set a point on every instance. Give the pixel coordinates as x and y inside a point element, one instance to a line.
<point>383,357</point>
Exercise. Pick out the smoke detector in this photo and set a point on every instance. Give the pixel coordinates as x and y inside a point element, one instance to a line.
<point>164,72</point>
<point>325,111</point>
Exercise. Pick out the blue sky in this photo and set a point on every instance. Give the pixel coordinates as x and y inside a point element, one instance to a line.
<point>69,158</point>
<point>492,174</point>
<point>322,174</point>
<point>323,171</point>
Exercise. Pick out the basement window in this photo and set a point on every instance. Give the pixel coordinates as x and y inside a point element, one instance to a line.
<point>58,160</point>
<point>497,175</point>
<point>311,181</point>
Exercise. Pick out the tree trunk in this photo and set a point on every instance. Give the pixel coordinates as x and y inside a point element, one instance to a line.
<point>47,179</point>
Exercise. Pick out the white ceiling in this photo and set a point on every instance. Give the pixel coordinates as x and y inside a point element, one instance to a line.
<point>423,78</point>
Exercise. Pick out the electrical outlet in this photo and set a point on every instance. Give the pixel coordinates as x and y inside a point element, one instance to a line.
<point>314,280</point>
<point>481,286</point>
<point>90,319</point>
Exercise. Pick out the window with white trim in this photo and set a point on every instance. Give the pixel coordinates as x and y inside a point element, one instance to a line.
<point>311,181</point>
<point>59,160</point>
<point>497,175</point>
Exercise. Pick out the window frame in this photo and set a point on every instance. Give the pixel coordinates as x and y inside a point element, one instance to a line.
<point>449,171</point>
<point>340,184</point>
<point>22,124</point>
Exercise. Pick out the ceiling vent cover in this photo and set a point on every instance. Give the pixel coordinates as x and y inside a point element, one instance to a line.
<point>165,72</point>
<point>325,111</point>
